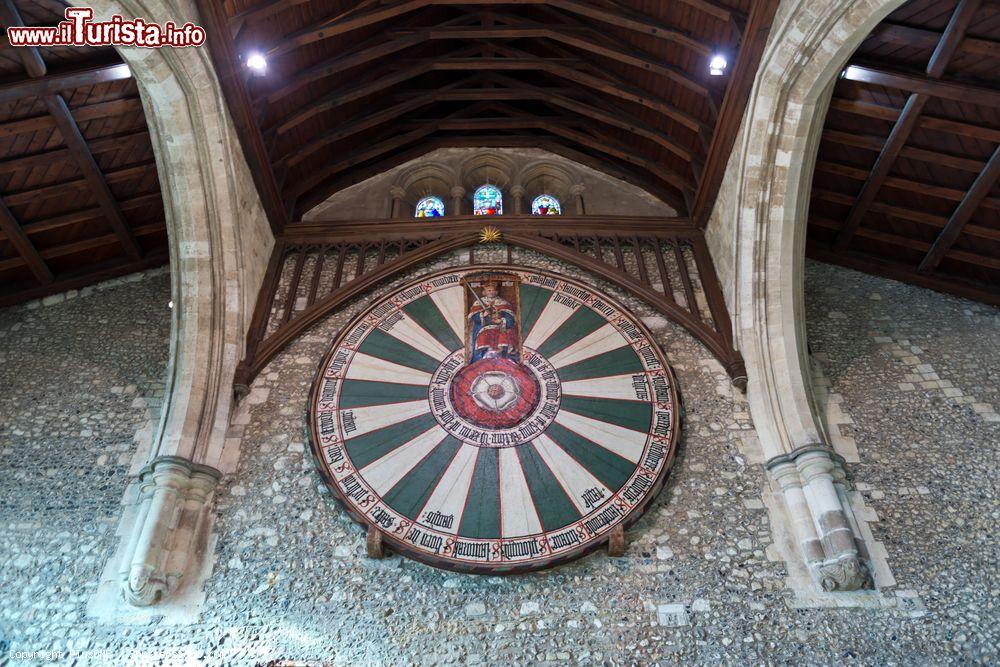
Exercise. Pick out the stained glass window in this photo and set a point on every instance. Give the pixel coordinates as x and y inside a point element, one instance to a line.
<point>430,207</point>
<point>545,205</point>
<point>487,200</point>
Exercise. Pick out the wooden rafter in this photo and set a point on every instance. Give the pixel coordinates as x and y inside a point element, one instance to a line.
<point>869,110</point>
<point>584,39</point>
<point>621,17</point>
<point>57,82</point>
<point>84,159</point>
<point>24,247</point>
<point>733,108</point>
<point>905,35</point>
<point>34,65</point>
<point>916,83</point>
<point>900,134</point>
<point>963,213</point>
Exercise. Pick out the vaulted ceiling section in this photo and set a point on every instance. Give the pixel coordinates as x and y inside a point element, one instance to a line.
<point>79,193</point>
<point>353,88</point>
<point>907,183</point>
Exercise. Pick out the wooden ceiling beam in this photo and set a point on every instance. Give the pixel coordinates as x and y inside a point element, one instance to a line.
<point>584,39</point>
<point>53,83</point>
<point>389,141</point>
<point>883,167</point>
<point>84,159</point>
<point>23,245</point>
<point>615,117</point>
<point>963,213</point>
<point>97,146</point>
<point>916,83</point>
<point>871,143</point>
<point>85,215</point>
<point>733,109</point>
<point>67,188</point>
<point>895,211</point>
<point>34,65</point>
<point>909,243</point>
<point>607,83</point>
<point>82,113</point>
<point>265,10</point>
<point>925,189</point>
<point>231,80</point>
<point>621,17</point>
<point>904,126</point>
<point>84,245</point>
<point>904,35</point>
<point>881,112</point>
<point>515,90</point>
<point>375,49</point>
<point>369,87</point>
<point>369,121</point>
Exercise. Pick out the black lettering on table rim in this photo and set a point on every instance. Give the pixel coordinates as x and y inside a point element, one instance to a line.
<point>520,549</point>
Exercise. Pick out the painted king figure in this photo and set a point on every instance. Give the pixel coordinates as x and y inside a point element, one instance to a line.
<point>493,326</point>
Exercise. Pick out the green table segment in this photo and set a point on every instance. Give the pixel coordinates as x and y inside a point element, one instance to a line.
<point>494,419</point>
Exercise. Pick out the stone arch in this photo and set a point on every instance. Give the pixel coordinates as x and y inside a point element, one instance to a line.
<point>766,216</point>
<point>216,269</point>
<point>758,238</point>
<point>489,166</point>
<point>423,180</point>
<point>544,177</point>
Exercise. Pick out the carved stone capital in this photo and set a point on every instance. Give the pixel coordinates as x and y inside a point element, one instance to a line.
<point>172,503</point>
<point>517,190</point>
<point>397,192</point>
<point>457,191</point>
<point>848,573</point>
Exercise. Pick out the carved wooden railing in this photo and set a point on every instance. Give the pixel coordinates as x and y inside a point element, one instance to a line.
<point>318,266</point>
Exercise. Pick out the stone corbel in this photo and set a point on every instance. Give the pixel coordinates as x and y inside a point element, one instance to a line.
<point>813,483</point>
<point>173,502</point>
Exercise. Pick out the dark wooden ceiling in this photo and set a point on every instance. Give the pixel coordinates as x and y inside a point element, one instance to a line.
<point>353,87</point>
<point>79,193</point>
<point>906,183</point>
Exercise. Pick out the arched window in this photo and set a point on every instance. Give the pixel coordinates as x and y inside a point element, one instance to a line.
<point>545,205</point>
<point>430,207</point>
<point>487,200</point>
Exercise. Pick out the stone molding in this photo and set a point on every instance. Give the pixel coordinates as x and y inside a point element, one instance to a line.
<point>173,501</point>
<point>813,484</point>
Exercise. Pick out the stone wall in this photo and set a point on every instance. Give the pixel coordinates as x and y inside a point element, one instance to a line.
<point>699,580</point>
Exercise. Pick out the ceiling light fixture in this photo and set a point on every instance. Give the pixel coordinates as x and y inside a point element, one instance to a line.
<point>257,62</point>
<point>717,66</point>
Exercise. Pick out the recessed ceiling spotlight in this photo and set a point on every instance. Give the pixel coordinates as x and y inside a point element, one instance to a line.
<point>717,66</point>
<point>170,304</point>
<point>257,62</point>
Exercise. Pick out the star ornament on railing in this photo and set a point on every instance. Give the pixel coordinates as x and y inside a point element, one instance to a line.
<point>489,235</point>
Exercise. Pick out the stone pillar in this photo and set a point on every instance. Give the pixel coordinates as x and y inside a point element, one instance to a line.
<point>397,193</point>
<point>808,479</point>
<point>577,192</point>
<point>517,192</point>
<point>457,195</point>
<point>171,511</point>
